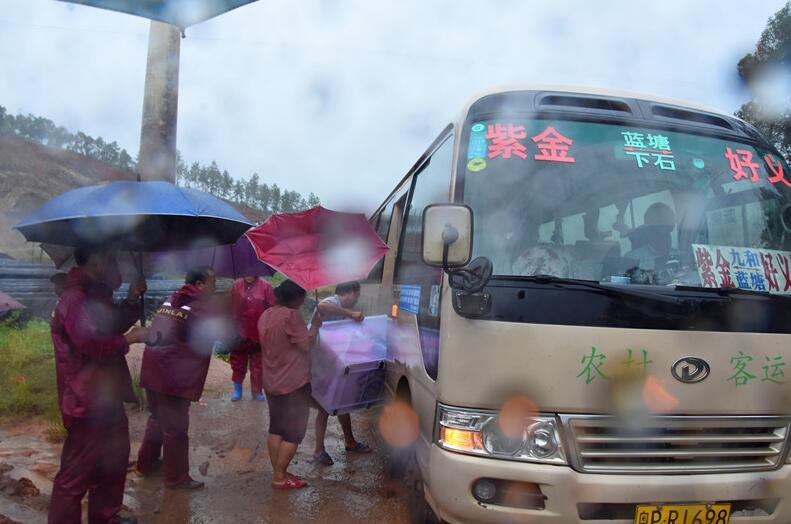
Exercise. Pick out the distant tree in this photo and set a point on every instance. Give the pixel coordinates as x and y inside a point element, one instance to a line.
<point>238,191</point>
<point>182,171</point>
<point>276,199</point>
<point>772,56</point>
<point>251,192</point>
<point>313,201</point>
<point>213,179</point>
<point>194,175</point>
<point>226,184</point>
<point>291,201</point>
<point>44,131</point>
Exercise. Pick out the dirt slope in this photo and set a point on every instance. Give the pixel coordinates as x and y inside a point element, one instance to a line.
<point>31,174</point>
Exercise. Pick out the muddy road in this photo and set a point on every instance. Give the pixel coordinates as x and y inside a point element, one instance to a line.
<point>228,452</point>
<point>228,444</point>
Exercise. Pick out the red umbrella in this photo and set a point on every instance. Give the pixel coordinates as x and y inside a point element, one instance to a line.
<point>318,247</point>
<point>8,304</point>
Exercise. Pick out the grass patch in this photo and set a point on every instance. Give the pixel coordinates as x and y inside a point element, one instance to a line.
<point>28,387</point>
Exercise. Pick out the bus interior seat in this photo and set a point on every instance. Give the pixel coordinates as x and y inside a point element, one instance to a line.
<point>591,258</point>
<point>545,259</point>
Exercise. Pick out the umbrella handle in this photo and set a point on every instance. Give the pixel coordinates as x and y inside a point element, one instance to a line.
<point>143,294</point>
<point>142,309</point>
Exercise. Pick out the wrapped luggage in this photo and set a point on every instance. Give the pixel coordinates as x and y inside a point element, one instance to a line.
<point>347,369</point>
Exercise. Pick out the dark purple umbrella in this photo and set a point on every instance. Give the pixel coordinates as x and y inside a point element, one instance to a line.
<point>235,260</point>
<point>231,260</point>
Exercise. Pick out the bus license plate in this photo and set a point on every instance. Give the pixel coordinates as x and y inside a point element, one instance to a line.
<point>683,514</point>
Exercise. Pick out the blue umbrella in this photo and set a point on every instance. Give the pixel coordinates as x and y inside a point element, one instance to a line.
<point>135,216</point>
<point>181,13</point>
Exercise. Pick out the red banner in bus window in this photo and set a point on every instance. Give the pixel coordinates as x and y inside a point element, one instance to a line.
<point>505,140</point>
<point>739,161</point>
<point>775,167</point>
<point>553,146</point>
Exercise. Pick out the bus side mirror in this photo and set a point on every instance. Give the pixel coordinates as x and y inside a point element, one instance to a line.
<point>447,235</point>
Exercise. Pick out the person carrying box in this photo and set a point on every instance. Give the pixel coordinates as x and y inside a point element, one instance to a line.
<point>338,307</point>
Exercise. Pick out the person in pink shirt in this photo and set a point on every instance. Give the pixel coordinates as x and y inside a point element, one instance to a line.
<point>250,297</point>
<point>285,353</point>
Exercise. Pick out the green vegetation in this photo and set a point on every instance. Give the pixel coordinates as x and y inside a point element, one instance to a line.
<point>27,375</point>
<point>250,192</point>
<point>772,55</point>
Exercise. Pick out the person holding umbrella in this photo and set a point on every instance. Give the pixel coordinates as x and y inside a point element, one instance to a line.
<point>285,349</point>
<point>250,297</point>
<point>93,383</point>
<point>175,365</point>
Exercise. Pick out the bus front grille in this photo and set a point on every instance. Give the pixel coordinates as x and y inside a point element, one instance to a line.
<point>675,444</point>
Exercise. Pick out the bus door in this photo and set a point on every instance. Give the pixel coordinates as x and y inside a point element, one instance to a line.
<point>418,289</point>
<point>389,295</point>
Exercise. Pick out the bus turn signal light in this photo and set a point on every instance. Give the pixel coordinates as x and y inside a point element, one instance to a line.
<point>394,311</point>
<point>461,439</point>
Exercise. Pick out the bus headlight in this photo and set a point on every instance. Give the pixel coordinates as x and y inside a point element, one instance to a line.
<point>542,441</point>
<point>479,432</point>
<point>497,442</point>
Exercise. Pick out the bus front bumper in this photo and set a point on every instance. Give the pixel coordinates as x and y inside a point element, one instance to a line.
<point>597,498</point>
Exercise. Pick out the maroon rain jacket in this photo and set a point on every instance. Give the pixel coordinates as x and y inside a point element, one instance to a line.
<point>248,303</point>
<point>87,334</point>
<point>177,356</point>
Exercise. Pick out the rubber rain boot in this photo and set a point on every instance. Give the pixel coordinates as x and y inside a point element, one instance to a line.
<point>237,392</point>
<point>259,396</point>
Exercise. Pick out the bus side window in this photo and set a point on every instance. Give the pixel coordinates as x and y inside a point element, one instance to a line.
<point>431,186</point>
<point>382,224</point>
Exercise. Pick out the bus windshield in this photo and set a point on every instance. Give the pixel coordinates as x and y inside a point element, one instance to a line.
<point>628,205</point>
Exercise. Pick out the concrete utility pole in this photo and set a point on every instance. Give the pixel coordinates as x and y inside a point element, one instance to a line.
<point>157,158</point>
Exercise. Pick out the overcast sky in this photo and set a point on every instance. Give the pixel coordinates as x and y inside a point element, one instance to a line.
<point>341,97</point>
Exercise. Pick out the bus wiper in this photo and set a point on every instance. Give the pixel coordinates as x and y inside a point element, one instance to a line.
<point>614,290</point>
<point>729,292</point>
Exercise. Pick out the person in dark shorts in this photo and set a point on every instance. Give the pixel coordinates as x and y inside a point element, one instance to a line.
<point>285,352</point>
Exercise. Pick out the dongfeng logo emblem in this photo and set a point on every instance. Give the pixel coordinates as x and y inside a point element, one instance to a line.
<point>690,369</point>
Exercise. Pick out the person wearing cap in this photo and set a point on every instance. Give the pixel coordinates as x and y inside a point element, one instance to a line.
<point>652,242</point>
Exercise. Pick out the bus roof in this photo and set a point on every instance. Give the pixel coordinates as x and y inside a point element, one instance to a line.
<point>583,90</point>
<point>745,130</point>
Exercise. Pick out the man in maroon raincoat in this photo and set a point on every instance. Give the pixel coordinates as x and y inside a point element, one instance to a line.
<point>250,297</point>
<point>93,383</point>
<point>175,364</point>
